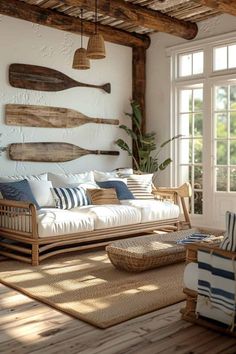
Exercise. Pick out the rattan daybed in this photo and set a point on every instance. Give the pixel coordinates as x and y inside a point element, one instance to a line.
<point>20,238</point>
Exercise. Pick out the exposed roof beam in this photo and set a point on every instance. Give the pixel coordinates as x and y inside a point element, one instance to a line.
<point>139,16</point>
<point>50,18</point>
<point>227,6</point>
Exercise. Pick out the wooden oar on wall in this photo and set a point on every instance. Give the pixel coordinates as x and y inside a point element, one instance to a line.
<point>50,152</point>
<point>40,78</point>
<point>49,117</point>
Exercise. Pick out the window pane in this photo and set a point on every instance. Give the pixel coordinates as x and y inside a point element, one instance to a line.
<point>221,179</point>
<point>221,98</point>
<point>220,58</point>
<point>233,124</point>
<point>233,152</point>
<point>198,177</point>
<point>221,125</point>
<point>198,151</point>
<point>197,202</point>
<point>185,65</point>
<point>185,151</point>
<point>185,124</point>
<point>233,180</point>
<point>198,120</point>
<point>233,96</point>
<point>198,99</point>
<point>197,63</point>
<point>221,152</point>
<point>232,56</point>
<point>186,104</point>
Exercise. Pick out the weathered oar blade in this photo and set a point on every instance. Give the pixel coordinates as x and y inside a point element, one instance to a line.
<point>51,152</point>
<point>49,117</point>
<point>33,77</point>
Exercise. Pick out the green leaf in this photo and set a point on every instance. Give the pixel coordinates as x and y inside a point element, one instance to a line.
<point>124,146</point>
<point>164,164</point>
<point>137,114</point>
<point>169,140</point>
<point>129,131</point>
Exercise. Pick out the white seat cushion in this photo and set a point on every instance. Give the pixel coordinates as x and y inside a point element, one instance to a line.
<point>153,210</point>
<point>191,276</point>
<point>54,222</point>
<point>111,215</point>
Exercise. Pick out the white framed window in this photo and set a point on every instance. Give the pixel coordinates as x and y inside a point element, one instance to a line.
<point>224,111</point>
<point>190,64</point>
<point>204,111</point>
<point>190,126</point>
<point>224,57</point>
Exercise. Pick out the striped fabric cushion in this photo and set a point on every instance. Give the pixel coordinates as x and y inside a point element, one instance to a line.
<point>68,198</point>
<point>103,196</point>
<point>140,186</point>
<point>229,242</point>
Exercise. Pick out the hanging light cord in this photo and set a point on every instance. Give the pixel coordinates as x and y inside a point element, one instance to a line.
<point>96,16</point>
<point>81,21</point>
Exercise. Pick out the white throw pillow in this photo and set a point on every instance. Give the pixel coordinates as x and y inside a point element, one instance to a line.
<point>41,177</point>
<point>108,176</point>
<point>141,186</point>
<point>6,179</point>
<point>125,172</point>
<point>105,176</point>
<point>65,180</point>
<point>42,192</point>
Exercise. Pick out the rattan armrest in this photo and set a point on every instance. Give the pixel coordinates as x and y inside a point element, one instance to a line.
<point>177,195</point>
<point>182,191</point>
<point>17,217</point>
<point>17,204</point>
<point>193,248</point>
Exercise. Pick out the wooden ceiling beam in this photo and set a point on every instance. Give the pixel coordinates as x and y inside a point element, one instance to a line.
<point>54,19</point>
<point>227,6</point>
<point>139,16</point>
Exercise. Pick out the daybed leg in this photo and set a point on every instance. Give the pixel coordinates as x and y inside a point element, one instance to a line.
<point>35,255</point>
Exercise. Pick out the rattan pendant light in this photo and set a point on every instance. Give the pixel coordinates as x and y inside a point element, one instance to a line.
<point>81,61</point>
<point>96,46</point>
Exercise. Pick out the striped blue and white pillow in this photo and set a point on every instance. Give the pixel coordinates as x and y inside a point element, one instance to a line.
<point>68,198</point>
<point>229,242</point>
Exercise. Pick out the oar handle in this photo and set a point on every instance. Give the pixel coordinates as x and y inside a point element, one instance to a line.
<point>105,121</point>
<point>106,152</point>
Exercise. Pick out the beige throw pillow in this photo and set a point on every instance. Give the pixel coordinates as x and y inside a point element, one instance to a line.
<point>102,196</point>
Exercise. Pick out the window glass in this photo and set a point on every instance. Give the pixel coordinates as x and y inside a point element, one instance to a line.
<point>221,98</point>
<point>224,57</point>
<point>185,65</point>
<point>232,56</point>
<point>225,137</point>
<point>190,64</point>
<point>220,58</point>
<point>197,63</point>
<point>190,125</point>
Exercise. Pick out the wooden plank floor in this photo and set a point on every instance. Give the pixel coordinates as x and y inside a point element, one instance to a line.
<point>27,326</point>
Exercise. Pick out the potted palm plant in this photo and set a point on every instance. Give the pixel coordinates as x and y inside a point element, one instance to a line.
<point>145,153</point>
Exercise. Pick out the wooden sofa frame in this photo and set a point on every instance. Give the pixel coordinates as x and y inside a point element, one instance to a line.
<point>188,313</point>
<point>19,237</point>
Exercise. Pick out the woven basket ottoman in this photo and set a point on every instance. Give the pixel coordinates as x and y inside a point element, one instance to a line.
<point>146,252</point>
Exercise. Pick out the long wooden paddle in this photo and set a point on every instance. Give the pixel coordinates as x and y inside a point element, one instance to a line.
<point>51,152</point>
<point>49,117</point>
<point>40,78</point>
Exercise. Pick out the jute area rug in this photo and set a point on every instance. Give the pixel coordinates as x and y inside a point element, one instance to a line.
<point>88,287</point>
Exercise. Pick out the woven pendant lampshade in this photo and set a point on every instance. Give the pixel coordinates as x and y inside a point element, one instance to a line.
<point>96,45</point>
<point>81,61</point>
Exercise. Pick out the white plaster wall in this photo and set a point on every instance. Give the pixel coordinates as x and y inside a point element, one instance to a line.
<point>158,79</point>
<point>24,42</point>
